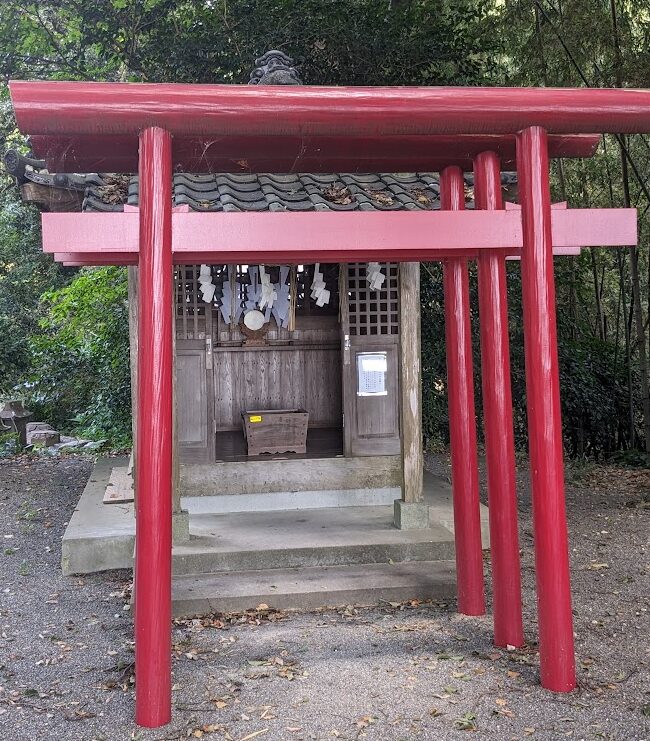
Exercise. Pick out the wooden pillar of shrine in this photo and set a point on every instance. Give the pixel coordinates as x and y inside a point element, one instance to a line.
<point>411,511</point>
<point>133,358</point>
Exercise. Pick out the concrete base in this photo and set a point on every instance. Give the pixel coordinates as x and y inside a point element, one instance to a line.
<point>303,557</point>
<point>411,515</point>
<point>99,536</point>
<point>180,526</point>
<point>277,475</point>
<point>283,500</point>
<point>305,538</point>
<point>313,587</point>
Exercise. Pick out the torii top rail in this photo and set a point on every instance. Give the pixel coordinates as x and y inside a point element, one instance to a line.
<point>214,110</point>
<point>82,124</point>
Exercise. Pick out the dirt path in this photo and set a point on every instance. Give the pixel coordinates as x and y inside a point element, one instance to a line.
<point>389,674</point>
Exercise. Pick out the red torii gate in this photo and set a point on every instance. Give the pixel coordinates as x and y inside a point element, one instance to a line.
<point>97,126</point>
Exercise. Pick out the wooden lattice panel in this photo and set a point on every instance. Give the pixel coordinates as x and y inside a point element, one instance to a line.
<point>190,308</point>
<point>373,312</point>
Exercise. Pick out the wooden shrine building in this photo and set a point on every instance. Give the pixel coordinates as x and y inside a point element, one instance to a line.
<point>298,292</point>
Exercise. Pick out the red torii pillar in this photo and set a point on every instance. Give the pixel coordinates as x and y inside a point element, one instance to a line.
<point>462,416</point>
<point>557,660</point>
<point>154,446</point>
<point>497,417</point>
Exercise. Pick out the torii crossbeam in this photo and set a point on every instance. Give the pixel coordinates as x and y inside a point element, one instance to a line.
<point>355,236</point>
<point>83,124</point>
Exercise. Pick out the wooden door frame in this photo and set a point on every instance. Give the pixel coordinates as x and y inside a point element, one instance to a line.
<point>380,342</point>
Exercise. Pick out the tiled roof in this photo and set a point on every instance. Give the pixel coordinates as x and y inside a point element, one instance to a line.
<point>300,192</point>
<point>242,191</point>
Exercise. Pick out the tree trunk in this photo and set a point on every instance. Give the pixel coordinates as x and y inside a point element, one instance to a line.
<point>633,252</point>
<point>638,311</point>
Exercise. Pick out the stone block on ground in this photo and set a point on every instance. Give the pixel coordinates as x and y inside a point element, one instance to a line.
<point>43,437</point>
<point>411,515</point>
<point>32,426</point>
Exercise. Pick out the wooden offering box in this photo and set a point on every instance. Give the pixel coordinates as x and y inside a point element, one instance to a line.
<point>275,431</point>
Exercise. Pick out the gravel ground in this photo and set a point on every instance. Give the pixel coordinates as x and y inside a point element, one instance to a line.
<point>393,673</point>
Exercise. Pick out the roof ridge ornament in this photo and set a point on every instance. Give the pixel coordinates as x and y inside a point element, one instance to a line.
<point>16,164</point>
<point>274,68</point>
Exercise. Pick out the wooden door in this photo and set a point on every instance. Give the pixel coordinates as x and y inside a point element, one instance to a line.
<point>195,401</point>
<point>194,370</point>
<point>370,340</point>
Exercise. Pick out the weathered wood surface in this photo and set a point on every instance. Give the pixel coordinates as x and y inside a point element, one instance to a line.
<point>372,325</point>
<point>278,378</point>
<point>275,431</point>
<point>411,381</point>
<point>120,486</point>
<point>133,352</point>
<point>194,402</point>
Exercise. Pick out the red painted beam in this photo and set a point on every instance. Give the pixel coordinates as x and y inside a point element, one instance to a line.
<point>288,237</point>
<point>462,414</point>
<point>556,651</point>
<point>497,418</point>
<point>237,154</point>
<point>189,258</point>
<point>95,259</point>
<point>270,258</point>
<point>153,532</point>
<point>277,110</point>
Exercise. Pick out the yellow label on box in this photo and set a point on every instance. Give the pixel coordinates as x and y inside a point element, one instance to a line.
<point>255,418</point>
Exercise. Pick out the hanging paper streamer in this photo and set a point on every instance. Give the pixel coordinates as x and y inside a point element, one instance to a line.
<point>229,312</point>
<point>206,286</point>
<point>318,290</point>
<point>272,299</point>
<point>374,276</point>
<point>268,294</point>
<point>282,298</point>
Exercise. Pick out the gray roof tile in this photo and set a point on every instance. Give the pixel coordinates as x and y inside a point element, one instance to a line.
<point>292,192</point>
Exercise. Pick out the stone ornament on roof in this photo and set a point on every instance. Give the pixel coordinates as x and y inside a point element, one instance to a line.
<point>274,68</point>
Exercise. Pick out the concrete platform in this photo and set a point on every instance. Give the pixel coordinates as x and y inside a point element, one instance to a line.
<point>314,587</point>
<point>99,536</point>
<point>302,557</point>
<point>314,537</point>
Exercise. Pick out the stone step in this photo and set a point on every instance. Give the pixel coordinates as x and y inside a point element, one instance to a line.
<point>308,538</point>
<point>310,588</point>
<point>287,500</point>
<point>277,474</point>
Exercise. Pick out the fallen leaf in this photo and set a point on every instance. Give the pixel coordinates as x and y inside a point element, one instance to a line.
<point>466,722</point>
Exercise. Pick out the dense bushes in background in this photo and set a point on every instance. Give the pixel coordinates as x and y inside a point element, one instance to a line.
<point>80,373</point>
<point>80,378</point>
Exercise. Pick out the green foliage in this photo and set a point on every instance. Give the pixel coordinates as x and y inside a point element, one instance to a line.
<point>9,444</point>
<point>25,272</point>
<point>354,42</point>
<point>80,356</point>
<point>77,358</point>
